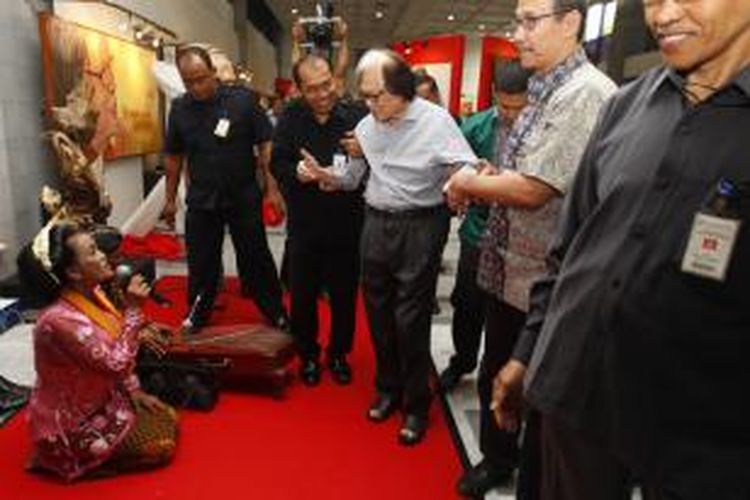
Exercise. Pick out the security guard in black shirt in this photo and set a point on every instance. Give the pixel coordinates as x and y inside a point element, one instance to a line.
<point>214,128</point>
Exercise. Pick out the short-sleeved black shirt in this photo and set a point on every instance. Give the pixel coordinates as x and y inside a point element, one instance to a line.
<point>314,214</point>
<point>221,170</point>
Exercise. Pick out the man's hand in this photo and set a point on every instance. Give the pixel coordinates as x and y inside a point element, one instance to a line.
<point>169,213</point>
<point>304,175</point>
<point>274,198</point>
<point>486,168</point>
<point>157,339</point>
<point>507,395</point>
<point>457,189</point>
<point>328,187</point>
<point>310,169</point>
<point>351,145</point>
<point>340,29</point>
<point>147,401</point>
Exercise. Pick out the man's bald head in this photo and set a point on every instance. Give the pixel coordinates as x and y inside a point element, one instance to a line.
<point>314,79</point>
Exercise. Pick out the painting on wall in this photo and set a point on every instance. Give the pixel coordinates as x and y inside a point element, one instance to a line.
<point>101,87</point>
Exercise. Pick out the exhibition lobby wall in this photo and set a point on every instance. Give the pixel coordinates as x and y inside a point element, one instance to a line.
<point>25,165</point>
<point>25,161</point>
<point>462,65</point>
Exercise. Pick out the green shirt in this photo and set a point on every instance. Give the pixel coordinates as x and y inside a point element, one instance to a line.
<point>480,131</point>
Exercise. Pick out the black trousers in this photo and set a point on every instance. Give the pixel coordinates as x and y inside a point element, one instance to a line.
<point>311,266</point>
<point>575,468</point>
<point>469,304</point>
<point>204,237</point>
<point>503,325</point>
<point>400,266</point>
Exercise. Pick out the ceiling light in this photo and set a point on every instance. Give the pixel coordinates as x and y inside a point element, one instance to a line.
<point>481,27</point>
<point>451,17</point>
<point>156,43</point>
<point>379,14</point>
<point>295,11</point>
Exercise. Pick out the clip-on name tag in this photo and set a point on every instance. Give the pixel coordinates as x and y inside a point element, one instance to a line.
<point>710,247</point>
<point>714,233</point>
<point>222,128</point>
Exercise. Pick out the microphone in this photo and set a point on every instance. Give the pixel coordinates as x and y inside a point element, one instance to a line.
<point>125,272</point>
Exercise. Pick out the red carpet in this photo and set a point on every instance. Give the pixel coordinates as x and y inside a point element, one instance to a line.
<point>314,444</point>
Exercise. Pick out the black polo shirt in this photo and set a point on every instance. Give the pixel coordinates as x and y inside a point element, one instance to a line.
<point>221,170</point>
<point>315,214</point>
<point>651,361</point>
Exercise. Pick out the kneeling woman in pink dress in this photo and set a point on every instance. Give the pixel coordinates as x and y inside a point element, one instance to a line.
<point>88,415</point>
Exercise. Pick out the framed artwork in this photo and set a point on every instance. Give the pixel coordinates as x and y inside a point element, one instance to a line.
<point>100,89</point>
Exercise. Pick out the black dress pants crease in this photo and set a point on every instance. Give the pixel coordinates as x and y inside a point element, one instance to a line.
<point>469,303</point>
<point>400,266</point>
<point>574,467</point>
<point>312,266</point>
<point>204,237</point>
<point>503,325</point>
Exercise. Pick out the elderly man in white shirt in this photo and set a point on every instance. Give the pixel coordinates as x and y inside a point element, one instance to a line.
<point>410,147</point>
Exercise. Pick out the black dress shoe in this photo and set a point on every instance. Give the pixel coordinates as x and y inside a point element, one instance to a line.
<point>309,372</point>
<point>382,408</point>
<point>340,370</point>
<point>413,430</point>
<point>483,477</point>
<point>450,378</point>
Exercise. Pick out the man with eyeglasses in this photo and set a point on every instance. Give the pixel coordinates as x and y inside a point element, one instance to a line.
<point>410,146</point>
<point>324,226</point>
<point>536,167</point>
<point>635,348</point>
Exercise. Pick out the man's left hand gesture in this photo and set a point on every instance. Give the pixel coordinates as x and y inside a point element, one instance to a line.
<point>273,197</point>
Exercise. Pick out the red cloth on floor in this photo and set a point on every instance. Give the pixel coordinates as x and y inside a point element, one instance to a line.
<point>156,245</point>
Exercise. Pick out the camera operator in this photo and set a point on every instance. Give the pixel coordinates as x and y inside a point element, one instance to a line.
<point>319,35</point>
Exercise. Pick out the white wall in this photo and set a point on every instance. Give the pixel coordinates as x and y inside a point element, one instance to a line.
<point>261,60</point>
<point>24,165</point>
<point>472,67</point>
<point>25,162</point>
<point>210,21</point>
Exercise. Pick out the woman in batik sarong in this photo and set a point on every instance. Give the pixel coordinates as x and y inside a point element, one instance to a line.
<point>88,415</point>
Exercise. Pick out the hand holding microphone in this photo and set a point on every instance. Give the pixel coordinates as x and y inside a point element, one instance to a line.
<point>137,289</point>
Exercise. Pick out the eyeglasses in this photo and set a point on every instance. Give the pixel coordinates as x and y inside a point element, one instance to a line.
<point>652,4</point>
<point>529,23</point>
<point>372,97</point>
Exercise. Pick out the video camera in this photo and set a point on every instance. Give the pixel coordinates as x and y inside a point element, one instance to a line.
<point>319,29</point>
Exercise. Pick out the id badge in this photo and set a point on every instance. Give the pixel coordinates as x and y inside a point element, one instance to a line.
<point>222,128</point>
<point>710,246</point>
<point>339,163</point>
